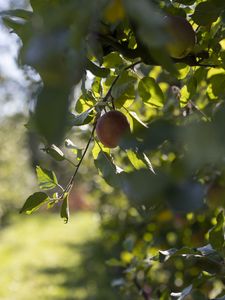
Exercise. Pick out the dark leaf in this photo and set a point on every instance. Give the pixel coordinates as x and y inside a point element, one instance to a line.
<point>216,234</point>
<point>183,294</point>
<point>206,13</point>
<point>82,119</point>
<point>123,84</point>
<point>108,169</point>
<point>55,152</point>
<point>51,113</point>
<point>144,188</point>
<point>19,13</point>
<point>150,91</point>
<point>64,212</point>
<point>34,202</point>
<point>186,197</point>
<point>96,70</point>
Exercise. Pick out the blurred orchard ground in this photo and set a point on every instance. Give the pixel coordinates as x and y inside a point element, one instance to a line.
<point>144,220</point>
<point>62,262</point>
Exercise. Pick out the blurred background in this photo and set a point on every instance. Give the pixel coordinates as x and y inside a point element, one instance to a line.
<point>41,258</point>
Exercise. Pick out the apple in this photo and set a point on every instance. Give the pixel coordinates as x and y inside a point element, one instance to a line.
<point>182,36</point>
<point>111,127</point>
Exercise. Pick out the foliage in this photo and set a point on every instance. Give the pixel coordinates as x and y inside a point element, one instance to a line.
<point>173,161</point>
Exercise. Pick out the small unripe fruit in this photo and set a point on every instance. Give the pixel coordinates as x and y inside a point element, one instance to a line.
<point>182,36</point>
<point>111,127</point>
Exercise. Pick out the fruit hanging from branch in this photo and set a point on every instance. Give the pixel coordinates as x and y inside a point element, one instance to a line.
<point>111,127</point>
<point>182,36</point>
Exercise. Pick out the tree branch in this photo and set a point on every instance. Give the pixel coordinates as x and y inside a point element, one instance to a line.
<point>69,185</point>
<point>139,52</point>
<point>108,94</point>
<point>105,99</point>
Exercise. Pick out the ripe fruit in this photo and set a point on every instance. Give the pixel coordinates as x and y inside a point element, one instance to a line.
<point>182,36</point>
<point>111,127</point>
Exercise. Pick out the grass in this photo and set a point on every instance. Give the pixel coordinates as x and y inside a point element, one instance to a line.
<point>41,258</point>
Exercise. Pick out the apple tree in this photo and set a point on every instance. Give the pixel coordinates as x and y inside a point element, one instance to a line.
<point>138,88</point>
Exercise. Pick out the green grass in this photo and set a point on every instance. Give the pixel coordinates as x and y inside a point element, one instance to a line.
<point>41,258</point>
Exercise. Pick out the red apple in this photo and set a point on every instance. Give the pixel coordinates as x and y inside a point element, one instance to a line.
<point>111,127</point>
<point>182,36</point>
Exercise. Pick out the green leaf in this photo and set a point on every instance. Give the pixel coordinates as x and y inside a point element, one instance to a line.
<point>136,119</point>
<point>19,13</point>
<point>97,87</point>
<point>183,294</point>
<point>139,160</point>
<point>47,180</point>
<point>217,81</point>
<point>216,234</point>
<point>150,91</point>
<point>113,60</point>
<point>75,149</point>
<point>123,84</point>
<point>147,161</point>
<point>96,70</point>
<point>84,118</point>
<point>171,253</point>
<point>34,202</point>
<point>18,26</point>
<point>85,102</point>
<point>135,160</point>
<point>108,169</point>
<point>55,152</point>
<point>206,13</point>
<point>70,145</point>
<point>64,212</point>
<point>185,2</point>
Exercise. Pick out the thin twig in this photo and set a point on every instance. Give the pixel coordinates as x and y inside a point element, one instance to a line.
<point>207,65</point>
<point>199,110</point>
<point>108,94</point>
<point>69,185</point>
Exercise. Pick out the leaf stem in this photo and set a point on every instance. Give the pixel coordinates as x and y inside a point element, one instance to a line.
<point>60,187</point>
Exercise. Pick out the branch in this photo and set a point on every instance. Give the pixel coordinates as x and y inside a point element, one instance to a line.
<point>108,94</point>
<point>142,52</point>
<point>105,99</point>
<point>69,185</point>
